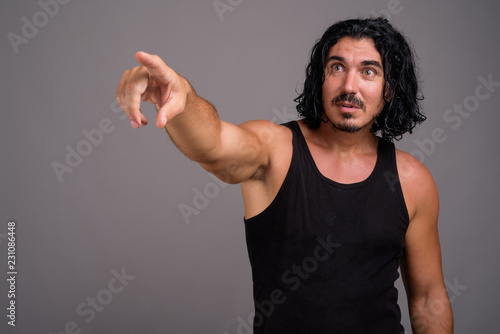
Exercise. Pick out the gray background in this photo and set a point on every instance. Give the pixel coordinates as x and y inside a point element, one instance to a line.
<point>119,208</point>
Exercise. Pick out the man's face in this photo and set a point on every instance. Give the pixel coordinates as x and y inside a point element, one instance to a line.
<point>354,83</point>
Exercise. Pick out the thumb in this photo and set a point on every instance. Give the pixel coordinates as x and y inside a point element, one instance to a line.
<point>157,69</point>
<point>161,117</point>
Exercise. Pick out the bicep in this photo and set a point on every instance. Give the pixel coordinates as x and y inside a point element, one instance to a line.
<point>421,265</point>
<point>242,151</point>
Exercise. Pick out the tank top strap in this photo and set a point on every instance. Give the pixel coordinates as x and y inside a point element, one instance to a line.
<point>299,145</point>
<point>386,159</point>
<point>294,126</point>
<point>388,174</point>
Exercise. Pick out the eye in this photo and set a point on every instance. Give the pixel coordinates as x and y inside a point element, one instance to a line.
<point>336,68</point>
<point>369,72</point>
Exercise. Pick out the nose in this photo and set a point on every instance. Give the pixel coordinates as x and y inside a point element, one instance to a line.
<point>351,82</point>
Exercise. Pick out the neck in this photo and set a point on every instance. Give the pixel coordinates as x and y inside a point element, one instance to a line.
<point>334,139</point>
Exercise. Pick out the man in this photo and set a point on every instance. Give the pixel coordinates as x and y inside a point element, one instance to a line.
<point>331,209</point>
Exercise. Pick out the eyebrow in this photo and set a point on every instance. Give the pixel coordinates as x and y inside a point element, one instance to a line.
<point>364,63</point>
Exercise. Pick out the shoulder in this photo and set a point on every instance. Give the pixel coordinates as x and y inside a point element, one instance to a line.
<point>410,168</point>
<point>271,135</point>
<point>275,139</point>
<point>266,130</point>
<point>417,183</point>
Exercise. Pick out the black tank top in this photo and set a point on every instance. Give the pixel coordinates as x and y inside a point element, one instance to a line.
<point>325,255</point>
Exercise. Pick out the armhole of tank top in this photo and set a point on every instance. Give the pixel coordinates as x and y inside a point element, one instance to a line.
<point>283,186</point>
<point>399,189</point>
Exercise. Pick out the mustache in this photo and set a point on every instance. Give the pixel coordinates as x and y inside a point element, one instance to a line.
<point>349,98</point>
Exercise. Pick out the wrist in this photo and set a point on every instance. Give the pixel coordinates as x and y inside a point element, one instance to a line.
<point>190,92</point>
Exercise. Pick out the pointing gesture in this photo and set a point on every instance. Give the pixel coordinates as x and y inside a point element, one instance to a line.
<point>193,123</point>
<point>152,82</point>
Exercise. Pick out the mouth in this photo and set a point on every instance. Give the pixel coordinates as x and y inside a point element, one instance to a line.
<point>348,102</point>
<point>347,107</point>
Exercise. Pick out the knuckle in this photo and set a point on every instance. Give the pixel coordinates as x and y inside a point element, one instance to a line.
<point>123,98</point>
<point>129,90</point>
<point>129,110</point>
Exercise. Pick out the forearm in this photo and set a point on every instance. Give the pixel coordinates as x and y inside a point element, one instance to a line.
<point>432,315</point>
<point>196,130</point>
<point>191,122</point>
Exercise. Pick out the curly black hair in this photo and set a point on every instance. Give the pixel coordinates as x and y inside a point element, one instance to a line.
<point>402,111</point>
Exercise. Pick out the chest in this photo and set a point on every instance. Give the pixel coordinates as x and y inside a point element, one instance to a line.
<point>343,168</point>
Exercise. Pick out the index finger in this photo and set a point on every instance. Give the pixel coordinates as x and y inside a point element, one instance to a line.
<point>129,93</point>
<point>157,69</point>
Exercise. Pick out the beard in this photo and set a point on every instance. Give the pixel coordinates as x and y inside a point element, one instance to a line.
<point>347,125</point>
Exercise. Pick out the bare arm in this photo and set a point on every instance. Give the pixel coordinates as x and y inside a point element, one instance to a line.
<point>233,153</point>
<point>421,268</point>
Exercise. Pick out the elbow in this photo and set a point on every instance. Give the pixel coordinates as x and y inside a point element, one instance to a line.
<point>431,313</point>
